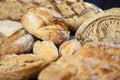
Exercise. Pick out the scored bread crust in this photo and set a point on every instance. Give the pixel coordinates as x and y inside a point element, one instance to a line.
<point>45,26</point>
<point>74,12</point>
<point>13,38</point>
<point>97,61</point>
<point>103,27</point>
<point>18,43</point>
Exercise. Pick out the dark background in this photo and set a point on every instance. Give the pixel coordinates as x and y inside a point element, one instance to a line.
<point>105,4</point>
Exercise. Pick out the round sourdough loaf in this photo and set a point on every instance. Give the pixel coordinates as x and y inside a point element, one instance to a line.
<point>103,27</point>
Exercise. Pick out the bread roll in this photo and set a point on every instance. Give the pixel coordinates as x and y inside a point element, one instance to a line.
<point>103,27</point>
<point>13,38</point>
<point>44,49</point>
<point>69,47</point>
<point>96,61</point>
<point>45,25</point>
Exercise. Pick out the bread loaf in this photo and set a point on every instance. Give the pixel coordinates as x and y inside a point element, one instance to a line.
<point>13,38</point>
<point>96,61</point>
<point>103,27</point>
<point>25,66</point>
<point>45,25</point>
<point>74,12</point>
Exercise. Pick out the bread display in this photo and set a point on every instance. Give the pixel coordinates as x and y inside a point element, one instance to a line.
<point>58,40</point>
<point>69,47</point>
<point>96,61</point>
<point>45,25</point>
<point>13,38</point>
<point>25,66</point>
<point>103,27</point>
<point>74,12</point>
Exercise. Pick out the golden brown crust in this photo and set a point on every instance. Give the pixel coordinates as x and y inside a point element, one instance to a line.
<point>44,49</point>
<point>92,61</point>
<point>45,26</point>
<point>74,12</point>
<point>18,43</point>
<point>69,47</point>
<point>13,38</point>
<point>21,67</point>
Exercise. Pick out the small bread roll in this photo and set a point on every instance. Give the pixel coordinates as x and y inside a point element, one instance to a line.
<point>69,47</point>
<point>45,25</point>
<point>13,38</point>
<point>44,49</point>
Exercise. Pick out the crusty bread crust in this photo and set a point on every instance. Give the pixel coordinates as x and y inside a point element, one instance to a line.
<point>45,26</point>
<point>92,61</point>
<point>25,66</point>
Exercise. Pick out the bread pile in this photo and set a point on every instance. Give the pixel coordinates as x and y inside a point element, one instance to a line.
<point>93,61</point>
<point>35,41</point>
